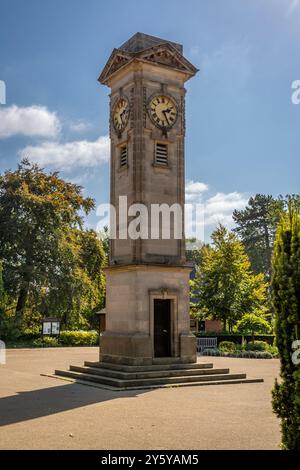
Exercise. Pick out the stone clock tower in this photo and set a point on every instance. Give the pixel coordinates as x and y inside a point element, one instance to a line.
<point>147,342</point>
<point>147,303</point>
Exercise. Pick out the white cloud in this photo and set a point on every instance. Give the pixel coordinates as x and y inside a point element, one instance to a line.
<point>30,121</point>
<point>213,209</point>
<point>79,126</point>
<point>194,191</point>
<point>219,208</point>
<point>70,155</point>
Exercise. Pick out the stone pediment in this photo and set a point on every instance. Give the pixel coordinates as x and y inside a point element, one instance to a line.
<point>163,54</point>
<point>116,61</point>
<point>166,54</point>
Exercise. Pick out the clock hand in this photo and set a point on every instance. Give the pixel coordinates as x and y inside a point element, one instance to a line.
<point>122,114</point>
<point>165,111</point>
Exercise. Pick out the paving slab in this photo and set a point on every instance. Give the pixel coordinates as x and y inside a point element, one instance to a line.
<point>41,412</point>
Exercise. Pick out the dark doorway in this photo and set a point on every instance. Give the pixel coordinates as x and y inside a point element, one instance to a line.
<point>162,328</point>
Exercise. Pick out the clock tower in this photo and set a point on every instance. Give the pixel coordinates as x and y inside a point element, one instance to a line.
<point>147,300</point>
<point>147,342</point>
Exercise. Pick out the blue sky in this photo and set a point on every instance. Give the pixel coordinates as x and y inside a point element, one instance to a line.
<point>242,128</point>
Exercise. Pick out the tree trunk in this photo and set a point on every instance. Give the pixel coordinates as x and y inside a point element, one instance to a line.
<point>22,301</point>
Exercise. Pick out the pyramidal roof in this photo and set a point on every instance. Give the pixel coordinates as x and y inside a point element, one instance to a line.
<point>140,42</point>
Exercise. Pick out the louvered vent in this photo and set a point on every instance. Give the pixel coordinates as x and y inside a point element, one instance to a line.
<point>161,154</point>
<point>123,156</point>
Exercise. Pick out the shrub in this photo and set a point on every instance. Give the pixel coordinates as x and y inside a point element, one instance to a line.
<point>257,346</point>
<point>79,338</point>
<point>31,333</point>
<point>256,354</point>
<point>286,302</point>
<point>273,350</point>
<point>227,346</point>
<point>252,323</point>
<point>46,342</point>
<point>237,354</point>
<point>10,327</point>
<point>211,352</point>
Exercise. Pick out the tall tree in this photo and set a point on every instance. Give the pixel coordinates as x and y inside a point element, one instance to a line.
<point>76,289</point>
<point>256,226</point>
<point>286,300</point>
<point>37,212</point>
<point>224,285</point>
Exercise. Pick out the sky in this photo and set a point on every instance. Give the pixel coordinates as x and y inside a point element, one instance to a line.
<point>242,126</point>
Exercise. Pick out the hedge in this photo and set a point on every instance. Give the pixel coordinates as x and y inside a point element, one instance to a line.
<point>239,354</point>
<point>236,338</point>
<point>79,338</point>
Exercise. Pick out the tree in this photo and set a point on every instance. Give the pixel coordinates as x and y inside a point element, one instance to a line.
<point>256,226</point>
<point>224,285</point>
<point>2,292</point>
<point>37,212</point>
<point>104,236</point>
<point>286,301</point>
<point>77,289</point>
<point>194,251</point>
<point>252,323</point>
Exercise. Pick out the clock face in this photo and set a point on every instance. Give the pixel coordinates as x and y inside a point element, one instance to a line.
<point>120,114</point>
<point>163,111</point>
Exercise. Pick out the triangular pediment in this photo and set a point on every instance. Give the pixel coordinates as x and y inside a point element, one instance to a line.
<point>117,60</point>
<point>165,54</point>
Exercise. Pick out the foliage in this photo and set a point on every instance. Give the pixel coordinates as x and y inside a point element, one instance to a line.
<point>104,236</point>
<point>78,288</point>
<point>252,323</point>
<point>240,354</point>
<point>79,338</point>
<point>257,346</point>
<point>256,226</point>
<point>10,327</point>
<point>1,288</point>
<point>195,251</point>
<point>224,285</point>
<point>227,346</point>
<point>36,212</point>
<point>51,265</point>
<point>286,301</point>
<point>45,342</point>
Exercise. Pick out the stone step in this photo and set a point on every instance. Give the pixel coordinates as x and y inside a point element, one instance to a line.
<point>127,368</point>
<point>146,375</point>
<point>149,382</point>
<point>181,384</point>
<point>168,360</point>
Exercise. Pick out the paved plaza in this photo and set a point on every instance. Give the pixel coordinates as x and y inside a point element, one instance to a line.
<point>40,412</point>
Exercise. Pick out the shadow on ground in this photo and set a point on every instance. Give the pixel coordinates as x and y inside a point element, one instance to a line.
<point>47,401</point>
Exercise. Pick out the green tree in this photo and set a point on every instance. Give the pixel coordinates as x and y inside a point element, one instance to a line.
<point>286,301</point>
<point>252,323</point>
<point>2,293</point>
<point>1,286</point>
<point>194,251</point>
<point>104,236</point>
<point>224,285</point>
<point>77,290</point>
<point>37,212</point>
<point>256,226</point>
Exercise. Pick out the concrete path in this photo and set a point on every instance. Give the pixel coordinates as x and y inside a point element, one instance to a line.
<point>39,412</point>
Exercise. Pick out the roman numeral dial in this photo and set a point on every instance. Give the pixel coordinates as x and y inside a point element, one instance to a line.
<point>120,114</point>
<point>162,111</point>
